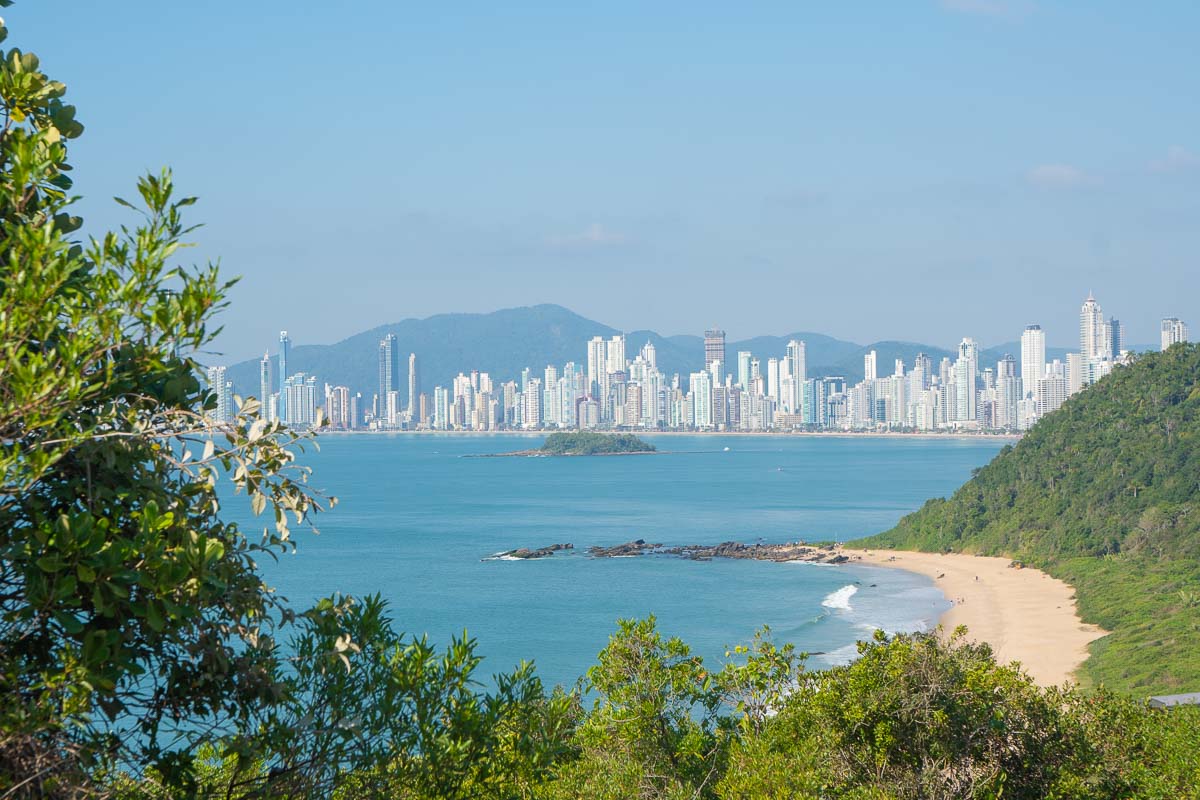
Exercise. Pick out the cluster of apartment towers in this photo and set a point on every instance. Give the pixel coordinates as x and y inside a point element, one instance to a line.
<point>612,391</point>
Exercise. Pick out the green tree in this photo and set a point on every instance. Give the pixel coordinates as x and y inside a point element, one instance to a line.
<point>372,713</point>
<point>133,620</point>
<point>661,723</point>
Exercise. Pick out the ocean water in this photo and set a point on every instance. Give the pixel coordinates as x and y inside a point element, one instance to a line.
<point>417,522</point>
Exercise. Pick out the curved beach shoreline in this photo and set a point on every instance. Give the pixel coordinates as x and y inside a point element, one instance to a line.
<point>1024,614</point>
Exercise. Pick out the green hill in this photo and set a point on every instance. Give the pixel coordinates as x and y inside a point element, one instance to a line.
<point>588,443</point>
<point>1105,494</point>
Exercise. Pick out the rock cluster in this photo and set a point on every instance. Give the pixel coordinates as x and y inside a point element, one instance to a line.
<point>541,552</point>
<point>787,551</point>
<point>637,547</point>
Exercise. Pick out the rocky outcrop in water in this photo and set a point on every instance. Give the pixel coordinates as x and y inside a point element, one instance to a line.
<point>541,552</point>
<point>787,551</point>
<point>637,547</point>
<point>759,551</point>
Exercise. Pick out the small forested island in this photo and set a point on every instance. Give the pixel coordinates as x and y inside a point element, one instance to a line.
<point>587,443</point>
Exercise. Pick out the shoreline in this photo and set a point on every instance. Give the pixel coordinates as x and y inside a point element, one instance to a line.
<point>1010,437</point>
<point>1023,613</point>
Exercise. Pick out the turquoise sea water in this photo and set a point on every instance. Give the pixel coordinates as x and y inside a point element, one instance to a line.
<point>416,520</point>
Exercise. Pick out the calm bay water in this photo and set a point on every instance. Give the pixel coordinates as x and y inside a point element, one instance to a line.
<point>416,520</point>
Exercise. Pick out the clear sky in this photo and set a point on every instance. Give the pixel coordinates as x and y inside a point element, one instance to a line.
<point>907,169</point>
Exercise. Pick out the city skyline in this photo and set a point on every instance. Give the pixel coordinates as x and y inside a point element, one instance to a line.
<point>611,390</point>
<point>840,165</point>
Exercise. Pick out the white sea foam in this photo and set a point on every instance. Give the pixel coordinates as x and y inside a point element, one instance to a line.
<point>841,598</point>
<point>841,656</point>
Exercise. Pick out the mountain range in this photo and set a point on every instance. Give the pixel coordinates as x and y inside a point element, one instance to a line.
<point>504,342</point>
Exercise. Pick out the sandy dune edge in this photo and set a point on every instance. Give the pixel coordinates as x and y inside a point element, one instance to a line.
<point>1024,614</point>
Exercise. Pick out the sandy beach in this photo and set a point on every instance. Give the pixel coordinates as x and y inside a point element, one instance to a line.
<point>1024,614</point>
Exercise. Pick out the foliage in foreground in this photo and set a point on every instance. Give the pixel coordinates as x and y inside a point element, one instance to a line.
<point>1105,494</point>
<point>914,717</point>
<point>587,443</point>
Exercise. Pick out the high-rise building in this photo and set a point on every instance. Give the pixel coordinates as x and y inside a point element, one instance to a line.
<point>797,353</point>
<point>1091,331</point>
<point>1051,394</point>
<point>743,368</point>
<point>388,377</point>
<point>1115,338</point>
<point>921,376</point>
<point>1033,357</point>
<point>597,364</point>
<point>264,382</point>
<point>797,356</point>
<point>700,387</point>
<point>298,396</point>
<point>223,389</point>
<point>414,386</point>
<point>870,366</point>
<point>714,347</point>
<point>1173,332</point>
<point>441,408</point>
<point>1008,392</point>
<point>338,407</point>
<point>773,379</point>
<point>650,355</point>
<point>966,368</point>
<point>285,346</point>
<point>532,404</point>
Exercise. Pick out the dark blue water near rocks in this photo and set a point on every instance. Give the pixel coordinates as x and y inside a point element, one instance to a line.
<point>416,520</point>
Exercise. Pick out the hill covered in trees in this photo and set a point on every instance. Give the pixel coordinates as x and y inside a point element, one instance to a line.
<point>586,443</point>
<point>1105,494</point>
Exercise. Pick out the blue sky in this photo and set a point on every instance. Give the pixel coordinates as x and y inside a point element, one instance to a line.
<point>908,169</point>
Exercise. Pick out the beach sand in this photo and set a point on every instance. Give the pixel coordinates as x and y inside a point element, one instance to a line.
<point>1024,614</point>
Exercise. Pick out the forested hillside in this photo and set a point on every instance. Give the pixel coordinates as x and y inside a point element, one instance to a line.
<point>1104,493</point>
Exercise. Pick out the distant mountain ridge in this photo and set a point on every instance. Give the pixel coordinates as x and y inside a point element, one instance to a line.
<point>504,342</point>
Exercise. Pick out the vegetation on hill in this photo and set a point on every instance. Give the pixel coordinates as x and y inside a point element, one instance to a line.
<point>1105,494</point>
<point>588,443</point>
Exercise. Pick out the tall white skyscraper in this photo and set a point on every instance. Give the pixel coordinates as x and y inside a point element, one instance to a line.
<point>597,364</point>
<point>700,387</point>
<point>414,385</point>
<point>650,355</point>
<point>285,346</point>
<point>966,368</point>
<point>616,353</point>
<point>1033,358</point>
<point>1091,331</point>
<point>773,379</point>
<point>1173,332</point>
<point>264,383</point>
<point>797,353</point>
<point>223,389</point>
<point>870,366</point>
<point>1007,392</point>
